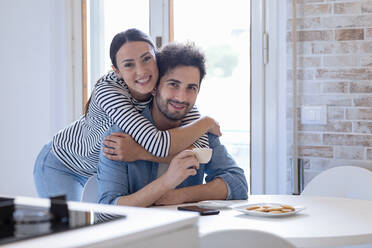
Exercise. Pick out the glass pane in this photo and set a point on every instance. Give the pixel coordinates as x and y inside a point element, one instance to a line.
<point>120,15</point>
<point>222,30</point>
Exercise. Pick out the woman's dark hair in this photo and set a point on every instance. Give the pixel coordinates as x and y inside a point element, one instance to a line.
<point>177,54</point>
<point>130,35</point>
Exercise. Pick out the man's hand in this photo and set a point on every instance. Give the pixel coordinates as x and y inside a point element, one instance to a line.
<point>172,197</point>
<point>121,146</point>
<point>181,167</point>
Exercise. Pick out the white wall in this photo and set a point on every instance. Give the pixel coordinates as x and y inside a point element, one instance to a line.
<point>33,95</point>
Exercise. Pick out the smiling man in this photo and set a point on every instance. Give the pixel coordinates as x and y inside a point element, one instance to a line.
<point>144,183</point>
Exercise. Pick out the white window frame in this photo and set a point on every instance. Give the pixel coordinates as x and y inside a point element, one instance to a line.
<point>268,89</point>
<point>74,77</point>
<point>268,129</point>
<point>257,100</point>
<point>159,20</point>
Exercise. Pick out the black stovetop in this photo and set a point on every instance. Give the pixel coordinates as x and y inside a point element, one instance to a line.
<point>20,222</point>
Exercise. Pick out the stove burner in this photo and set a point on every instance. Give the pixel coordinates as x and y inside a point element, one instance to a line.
<point>6,210</point>
<point>29,216</point>
<point>20,222</point>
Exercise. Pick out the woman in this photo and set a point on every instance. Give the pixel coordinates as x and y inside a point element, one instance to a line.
<point>64,165</point>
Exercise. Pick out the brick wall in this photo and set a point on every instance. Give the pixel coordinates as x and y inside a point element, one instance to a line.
<point>334,59</point>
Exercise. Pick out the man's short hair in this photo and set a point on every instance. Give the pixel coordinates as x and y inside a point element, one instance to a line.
<point>177,54</point>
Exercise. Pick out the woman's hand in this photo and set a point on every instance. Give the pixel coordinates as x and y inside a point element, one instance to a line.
<point>215,127</point>
<point>181,167</point>
<point>121,146</point>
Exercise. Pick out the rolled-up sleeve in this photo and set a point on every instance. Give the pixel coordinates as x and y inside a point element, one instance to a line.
<point>112,178</point>
<point>222,165</point>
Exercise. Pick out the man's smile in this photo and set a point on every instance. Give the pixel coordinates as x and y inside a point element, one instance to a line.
<point>177,105</point>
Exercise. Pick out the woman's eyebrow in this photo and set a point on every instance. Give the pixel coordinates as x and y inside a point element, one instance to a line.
<point>143,55</point>
<point>130,60</point>
<point>126,60</point>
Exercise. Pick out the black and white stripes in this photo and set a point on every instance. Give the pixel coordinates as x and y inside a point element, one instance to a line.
<point>78,146</point>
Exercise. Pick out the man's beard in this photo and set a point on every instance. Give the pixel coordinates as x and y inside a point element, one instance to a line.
<point>162,105</point>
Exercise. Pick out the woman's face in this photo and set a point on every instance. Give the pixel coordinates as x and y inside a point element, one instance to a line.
<point>137,66</point>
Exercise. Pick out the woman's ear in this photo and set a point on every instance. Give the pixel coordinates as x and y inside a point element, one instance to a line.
<point>117,72</point>
<point>153,92</point>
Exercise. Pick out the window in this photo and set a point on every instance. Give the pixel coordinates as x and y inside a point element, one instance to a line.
<point>224,36</point>
<point>223,30</point>
<point>120,15</point>
<point>107,18</point>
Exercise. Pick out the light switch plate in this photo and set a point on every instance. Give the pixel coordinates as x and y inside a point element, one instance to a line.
<point>314,115</point>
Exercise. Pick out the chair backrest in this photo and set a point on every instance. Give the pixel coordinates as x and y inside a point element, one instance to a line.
<point>243,238</point>
<point>343,181</point>
<point>90,191</point>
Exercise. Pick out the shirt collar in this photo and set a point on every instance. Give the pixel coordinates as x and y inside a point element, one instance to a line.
<point>147,113</point>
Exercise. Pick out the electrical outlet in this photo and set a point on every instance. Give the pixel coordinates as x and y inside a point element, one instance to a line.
<point>314,115</point>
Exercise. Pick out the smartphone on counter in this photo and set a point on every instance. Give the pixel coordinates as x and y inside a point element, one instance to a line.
<point>201,211</point>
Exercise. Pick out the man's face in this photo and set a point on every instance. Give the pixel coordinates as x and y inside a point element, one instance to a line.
<point>177,91</point>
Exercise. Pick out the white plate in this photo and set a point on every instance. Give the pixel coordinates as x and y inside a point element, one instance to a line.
<point>243,209</point>
<point>216,204</point>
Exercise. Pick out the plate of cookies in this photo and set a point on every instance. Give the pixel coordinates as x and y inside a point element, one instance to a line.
<point>269,209</point>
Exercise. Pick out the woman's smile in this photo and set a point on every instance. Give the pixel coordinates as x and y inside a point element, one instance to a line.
<point>144,80</point>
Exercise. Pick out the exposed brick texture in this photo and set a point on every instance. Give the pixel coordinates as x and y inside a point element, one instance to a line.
<point>349,152</point>
<point>316,151</point>
<point>361,87</point>
<point>334,69</point>
<point>369,154</point>
<point>369,33</point>
<point>350,34</point>
<point>348,8</point>
<point>367,6</point>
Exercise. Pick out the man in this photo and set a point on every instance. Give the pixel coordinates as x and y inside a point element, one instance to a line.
<point>144,183</point>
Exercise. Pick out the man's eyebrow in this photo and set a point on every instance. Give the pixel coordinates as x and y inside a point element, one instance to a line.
<point>178,81</point>
<point>174,80</point>
<point>130,60</point>
<point>191,84</point>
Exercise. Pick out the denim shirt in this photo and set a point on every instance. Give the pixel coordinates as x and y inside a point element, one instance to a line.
<point>119,178</point>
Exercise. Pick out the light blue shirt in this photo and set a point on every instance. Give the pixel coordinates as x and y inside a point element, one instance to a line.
<point>118,178</point>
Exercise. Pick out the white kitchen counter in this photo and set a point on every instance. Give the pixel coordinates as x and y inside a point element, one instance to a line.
<point>325,221</point>
<point>142,227</point>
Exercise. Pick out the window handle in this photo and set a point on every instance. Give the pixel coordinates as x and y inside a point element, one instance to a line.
<point>159,42</point>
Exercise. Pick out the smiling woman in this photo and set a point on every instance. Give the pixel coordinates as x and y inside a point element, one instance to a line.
<point>135,63</point>
<point>64,165</point>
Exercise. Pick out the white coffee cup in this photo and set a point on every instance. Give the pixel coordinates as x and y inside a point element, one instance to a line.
<point>203,154</point>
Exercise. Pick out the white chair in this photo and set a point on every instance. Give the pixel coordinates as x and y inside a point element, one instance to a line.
<point>90,191</point>
<point>343,181</point>
<point>243,238</point>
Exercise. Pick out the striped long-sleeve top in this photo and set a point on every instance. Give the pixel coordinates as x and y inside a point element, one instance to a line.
<point>78,145</point>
